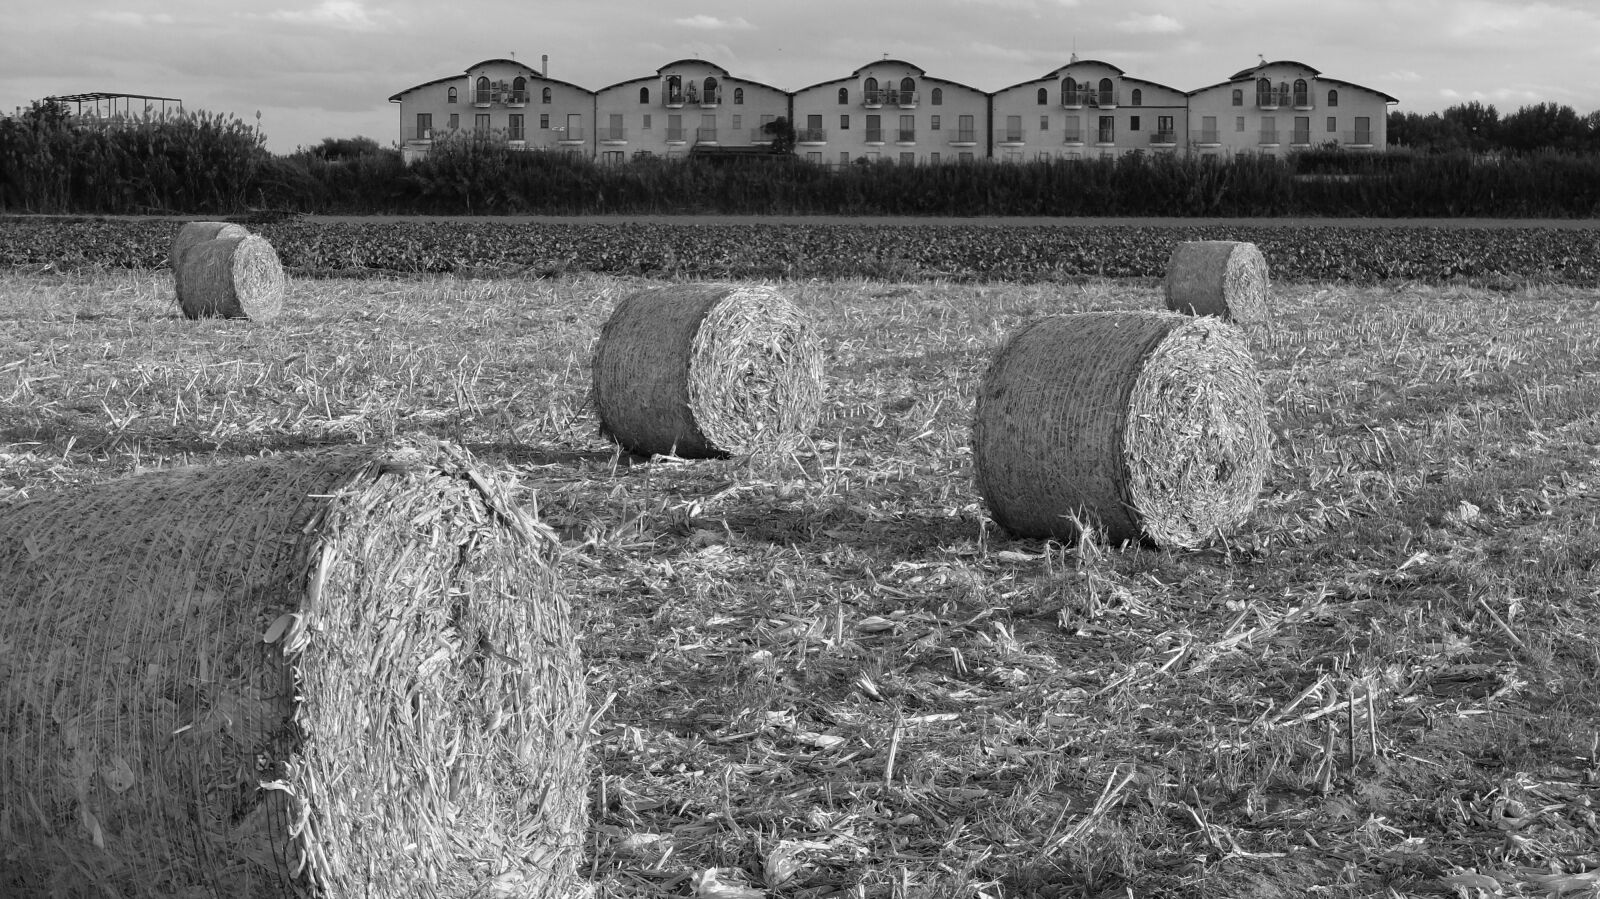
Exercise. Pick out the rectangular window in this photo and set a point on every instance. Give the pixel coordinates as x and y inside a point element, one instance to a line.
<point>1013,129</point>
<point>908,128</point>
<point>1208,130</point>
<point>1302,130</point>
<point>1044,123</point>
<point>874,129</point>
<point>646,125</point>
<point>1238,123</point>
<point>1269,129</point>
<point>675,126</point>
<point>933,123</point>
<point>1166,133</point>
<point>964,156</point>
<point>455,121</point>
<point>708,127</point>
<point>738,123</point>
<point>1363,129</point>
<point>1073,130</point>
<point>1108,130</point>
<point>844,158</point>
<point>480,123</point>
<point>544,121</point>
<point>965,132</point>
<point>424,126</point>
<point>1133,123</point>
<point>814,157</point>
<point>933,158</point>
<point>844,123</point>
<point>611,157</point>
<point>1333,124</point>
<point>516,132</point>
<point>615,130</point>
<point>908,158</point>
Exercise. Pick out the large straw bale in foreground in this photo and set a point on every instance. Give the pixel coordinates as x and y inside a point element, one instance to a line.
<point>344,673</point>
<point>1225,278</point>
<point>192,233</point>
<point>1143,425</point>
<point>230,276</point>
<point>702,370</point>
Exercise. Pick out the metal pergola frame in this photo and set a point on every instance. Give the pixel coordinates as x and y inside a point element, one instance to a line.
<point>110,100</point>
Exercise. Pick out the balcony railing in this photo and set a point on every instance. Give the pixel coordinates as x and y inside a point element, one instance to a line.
<point>872,99</point>
<point>418,134</point>
<point>1300,138</point>
<point>675,135</point>
<point>708,98</point>
<point>1205,136</point>
<point>1358,138</point>
<point>1106,137</point>
<point>1072,136</point>
<point>1268,138</point>
<point>611,134</point>
<point>811,135</point>
<point>1011,137</point>
<point>1106,99</point>
<point>573,135</point>
<point>965,136</point>
<point>1302,100</point>
<point>705,135</point>
<point>483,97</point>
<point>1271,98</point>
<point>1157,138</point>
<point>516,98</point>
<point>671,99</point>
<point>1090,97</point>
<point>874,135</point>
<point>516,134</point>
<point>903,99</point>
<point>907,135</point>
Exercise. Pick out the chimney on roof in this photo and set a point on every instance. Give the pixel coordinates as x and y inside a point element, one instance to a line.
<point>544,64</point>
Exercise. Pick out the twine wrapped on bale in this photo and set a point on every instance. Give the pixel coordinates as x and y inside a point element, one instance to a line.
<point>222,270</point>
<point>707,370</point>
<point>348,672</point>
<point>1224,278</point>
<point>1141,425</point>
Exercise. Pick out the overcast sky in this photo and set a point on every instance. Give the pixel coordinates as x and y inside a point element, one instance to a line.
<point>325,68</point>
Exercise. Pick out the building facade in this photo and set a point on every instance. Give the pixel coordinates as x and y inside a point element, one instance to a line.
<point>892,110</point>
<point>1086,109</point>
<point>685,104</point>
<point>1278,107</point>
<point>501,99</point>
<point>889,110</point>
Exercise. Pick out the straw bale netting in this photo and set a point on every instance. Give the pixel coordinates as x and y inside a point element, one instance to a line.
<point>1224,278</point>
<point>704,370</point>
<point>230,276</point>
<point>1141,425</point>
<point>193,233</point>
<point>347,672</point>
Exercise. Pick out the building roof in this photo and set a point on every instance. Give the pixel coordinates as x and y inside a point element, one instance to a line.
<point>1251,72</point>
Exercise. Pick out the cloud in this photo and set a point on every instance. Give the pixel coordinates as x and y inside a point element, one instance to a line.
<point>346,14</point>
<point>712,23</point>
<point>1154,23</point>
<point>134,19</point>
<point>1402,76</point>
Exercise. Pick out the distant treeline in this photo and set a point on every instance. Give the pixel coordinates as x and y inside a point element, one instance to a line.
<point>199,164</point>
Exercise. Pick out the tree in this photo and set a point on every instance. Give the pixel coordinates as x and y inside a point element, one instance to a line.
<point>1544,126</point>
<point>783,136</point>
<point>336,148</point>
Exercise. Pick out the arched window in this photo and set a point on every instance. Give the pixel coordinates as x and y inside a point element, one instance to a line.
<point>1069,91</point>
<point>869,91</point>
<point>844,96</point>
<point>1042,97</point>
<point>452,96</point>
<point>738,96</point>
<point>908,85</point>
<point>644,95</point>
<point>1333,98</point>
<point>1302,96</point>
<point>1264,92</point>
<point>1138,97</point>
<point>711,90</point>
<point>938,96</point>
<point>1238,97</point>
<point>544,95</point>
<point>481,95</point>
<point>520,84</point>
<point>1107,94</point>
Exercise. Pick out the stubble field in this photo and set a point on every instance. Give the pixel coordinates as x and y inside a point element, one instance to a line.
<point>829,675</point>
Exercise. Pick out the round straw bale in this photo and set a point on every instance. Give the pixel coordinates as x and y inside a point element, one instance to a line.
<point>231,277</point>
<point>705,370</point>
<point>347,672</point>
<point>1224,278</point>
<point>195,233</point>
<point>1140,425</point>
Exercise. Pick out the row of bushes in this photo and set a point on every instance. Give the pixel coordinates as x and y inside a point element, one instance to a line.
<point>201,164</point>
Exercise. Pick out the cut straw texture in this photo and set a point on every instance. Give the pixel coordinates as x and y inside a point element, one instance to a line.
<point>1224,278</point>
<point>232,275</point>
<point>344,673</point>
<point>1145,426</point>
<point>707,370</point>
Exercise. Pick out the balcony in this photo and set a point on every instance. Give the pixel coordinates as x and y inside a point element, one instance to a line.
<point>1075,99</point>
<point>672,99</point>
<point>1105,99</point>
<point>483,98</point>
<point>1270,99</point>
<point>1072,137</point>
<point>1105,139</point>
<point>965,138</point>
<point>572,136</point>
<point>1205,138</point>
<point>710,99</point>
<point>1298,138</point>
<point>903,99</point>
<point>811,136</point>
<point>1011,138</point>
<point>675,135</point>
<point>515,99</point>
<point>906,136</point>
<point>608,135</point>
<point>1303,101</point>
<point>874,135</point>
<point>872,99</point>
<point>1164,139</point>
<point>1268,138</point>
<point>419,135</point>
<point>705,135</point>
<point>1357,139</point>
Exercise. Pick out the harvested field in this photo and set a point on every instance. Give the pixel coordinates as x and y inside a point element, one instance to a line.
<point>829,674</point>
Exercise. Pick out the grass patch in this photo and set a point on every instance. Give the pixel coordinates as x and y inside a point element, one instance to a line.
<point>827,673</point>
